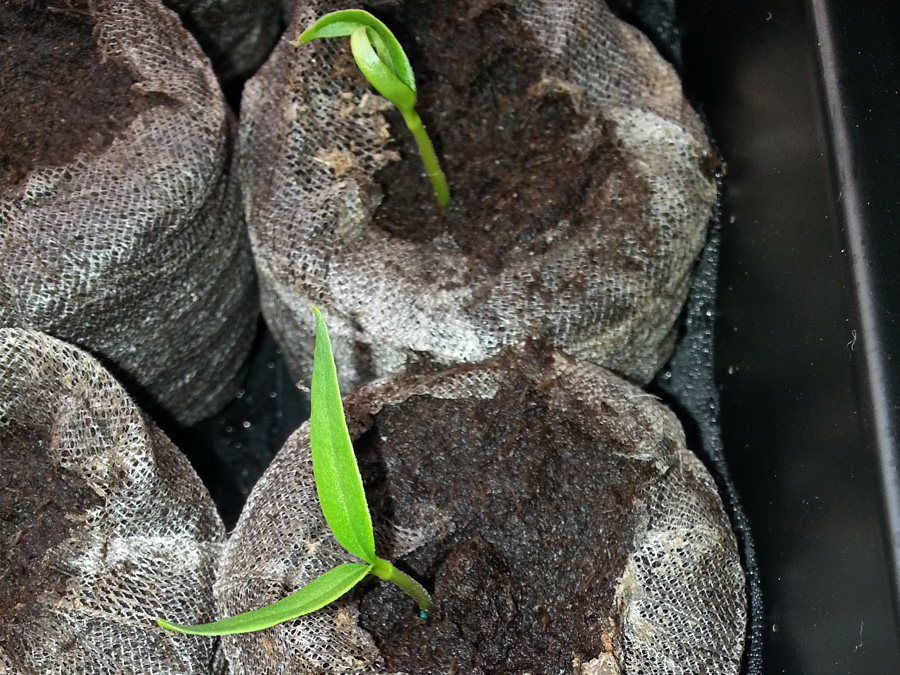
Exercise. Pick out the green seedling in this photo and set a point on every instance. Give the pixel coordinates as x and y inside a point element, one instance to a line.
<point>385,65</point>
<point>343,501</point>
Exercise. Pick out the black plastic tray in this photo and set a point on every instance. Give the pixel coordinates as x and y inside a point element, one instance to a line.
<point>804,101</point>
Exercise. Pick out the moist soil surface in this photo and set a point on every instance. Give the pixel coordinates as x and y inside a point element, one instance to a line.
<point>503,133</point>
<point>40,504</point>
<point>523,580</point>
<point>59,95</point>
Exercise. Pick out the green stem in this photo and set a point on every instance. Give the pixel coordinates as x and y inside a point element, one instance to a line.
<point>429,159</point>
<point>385,570</point>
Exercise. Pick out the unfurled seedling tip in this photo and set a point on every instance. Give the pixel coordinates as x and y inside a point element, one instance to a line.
<point>343,501</point>
<point>385,65</point>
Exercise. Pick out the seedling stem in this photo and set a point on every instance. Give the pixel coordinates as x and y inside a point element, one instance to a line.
<point>429,159</point>
<point>385,570</point>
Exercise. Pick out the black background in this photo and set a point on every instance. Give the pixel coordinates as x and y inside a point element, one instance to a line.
<point>802,98</point>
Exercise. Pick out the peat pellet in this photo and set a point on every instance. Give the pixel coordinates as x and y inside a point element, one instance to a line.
<point>581,185</point>
<point>237,35</point>
<point>104,525</point>
<point>120,224</point>
<point>552,509</point>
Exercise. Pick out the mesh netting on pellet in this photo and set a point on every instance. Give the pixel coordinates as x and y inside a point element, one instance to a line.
<point>602,276</point>
<point>120,224</point>
<point>105,524</point>
<point>648,583</point>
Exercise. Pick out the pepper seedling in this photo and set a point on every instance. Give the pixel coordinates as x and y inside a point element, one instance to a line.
<point>385,65</point>
<point>343,501</point>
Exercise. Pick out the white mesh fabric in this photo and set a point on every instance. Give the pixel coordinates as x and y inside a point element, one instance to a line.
<point>313,135</point>
<point>680,603</point>
<point>138,253</point>
<point>149,545</point>
<point>677,567</point>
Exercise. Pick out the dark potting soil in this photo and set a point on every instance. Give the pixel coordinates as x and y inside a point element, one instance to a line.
<point>59,94</point>
<point>39,507</point>
<point>503,136</point>
<point>526,580</point>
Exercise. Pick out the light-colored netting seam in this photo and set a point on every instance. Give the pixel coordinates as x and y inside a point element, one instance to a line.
<point>682,597</point>
<point>139,254</point>
<point>148,548</point>
<point>281,541</point>
<point>313,136</point>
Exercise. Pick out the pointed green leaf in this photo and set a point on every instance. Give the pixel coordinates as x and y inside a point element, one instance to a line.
<point>315,595</point>
<point>338,482</point>
<point>342,24</point>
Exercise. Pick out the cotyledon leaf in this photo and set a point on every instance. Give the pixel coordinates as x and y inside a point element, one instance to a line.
<point>377,72</point>
<point>342,24</point>
<point>315,595</point>
<point>338,481</point>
